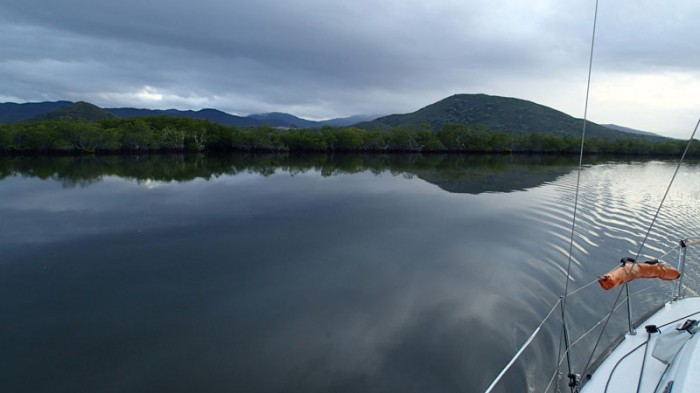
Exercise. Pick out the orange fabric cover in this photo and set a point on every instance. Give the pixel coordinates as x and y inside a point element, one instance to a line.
<point>632,271</point>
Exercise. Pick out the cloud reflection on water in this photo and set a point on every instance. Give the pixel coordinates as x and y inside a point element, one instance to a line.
<point>360,281</point>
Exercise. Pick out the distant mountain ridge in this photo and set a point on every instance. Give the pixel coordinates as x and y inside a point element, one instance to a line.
<point>213,115</point>
<point>75,111</point>
<point>12,112</point>
<point>504,114</point>
<point>630,130</point>
<point>284,120</point>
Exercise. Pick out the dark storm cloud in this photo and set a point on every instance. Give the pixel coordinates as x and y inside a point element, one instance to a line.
<point>324,58</point>
<point>331,44</point>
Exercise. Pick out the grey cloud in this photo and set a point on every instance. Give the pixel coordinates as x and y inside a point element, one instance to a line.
<point>325,58</point>
<point>646,35</point>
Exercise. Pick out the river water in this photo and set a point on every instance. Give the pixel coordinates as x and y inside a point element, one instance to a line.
<point>283,273</point>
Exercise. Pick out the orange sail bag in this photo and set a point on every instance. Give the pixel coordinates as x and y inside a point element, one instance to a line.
<point>632,271</point>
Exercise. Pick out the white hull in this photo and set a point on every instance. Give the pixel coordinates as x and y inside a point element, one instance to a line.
<point>620,371</point>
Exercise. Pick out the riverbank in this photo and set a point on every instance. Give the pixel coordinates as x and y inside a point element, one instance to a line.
<point>166,134</point>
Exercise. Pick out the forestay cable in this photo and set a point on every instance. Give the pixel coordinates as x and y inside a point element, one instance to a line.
<point>578,184</point>
<point>580,158</point>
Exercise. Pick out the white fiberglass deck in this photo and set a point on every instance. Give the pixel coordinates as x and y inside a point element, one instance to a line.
<point>625,363</point>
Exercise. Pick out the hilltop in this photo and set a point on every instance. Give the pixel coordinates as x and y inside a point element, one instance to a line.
<point>503,114</point>
<point>213,115</point>
<point>76,111</point>
<point>11,112</point>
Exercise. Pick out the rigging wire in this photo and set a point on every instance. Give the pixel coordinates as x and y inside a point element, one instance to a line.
<point>646,236</point>
<point>580,158</point>
<point>563,299</point>
<point>663,199</point>
<point>578,186</point>
<point>618,303</point>
<point>522,348</point>
<point>610,314</point>
<point>583,287</point>
<point>532,336</point>
<point>558,366</point>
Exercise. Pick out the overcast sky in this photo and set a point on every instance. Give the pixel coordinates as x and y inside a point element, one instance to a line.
<point>320,59</point>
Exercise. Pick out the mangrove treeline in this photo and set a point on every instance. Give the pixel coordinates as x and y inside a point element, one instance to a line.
<point>162,134</point>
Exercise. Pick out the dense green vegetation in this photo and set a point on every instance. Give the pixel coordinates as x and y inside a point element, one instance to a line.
<point>35,111</point>
<point>112,135</point>
<point>508,115</point>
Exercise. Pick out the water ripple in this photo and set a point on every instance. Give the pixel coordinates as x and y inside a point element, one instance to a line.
<point>617,203</point>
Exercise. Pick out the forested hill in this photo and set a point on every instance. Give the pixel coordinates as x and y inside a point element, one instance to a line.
<point>76,111</point>
<point>36,111</point>
<point>212,115</point>
<point>11,112</point>
<point>504,114</point>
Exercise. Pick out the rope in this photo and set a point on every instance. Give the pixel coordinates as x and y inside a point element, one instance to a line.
<point>556,372</point>
<point>561,357</point>
<point>522,348</point>
<point>607,384</point>
<point>616,306</point>
<point>583,287</point>
<point>596,325</point>
<point>644,362</point>
<point>590,358</point>
<point>678,320</point>
<point>667,253</point>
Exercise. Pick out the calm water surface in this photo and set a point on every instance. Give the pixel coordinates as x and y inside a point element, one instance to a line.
<point>313,273</point>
